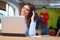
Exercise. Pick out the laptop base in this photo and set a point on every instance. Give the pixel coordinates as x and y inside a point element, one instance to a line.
<point>13,34</point>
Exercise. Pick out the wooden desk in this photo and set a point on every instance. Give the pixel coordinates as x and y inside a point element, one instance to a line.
<point>27,38</point>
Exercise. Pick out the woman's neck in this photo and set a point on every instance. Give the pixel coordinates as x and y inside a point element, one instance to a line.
<point>26,18</point>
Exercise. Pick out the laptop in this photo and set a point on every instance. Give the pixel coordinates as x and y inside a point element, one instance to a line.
<point>13,25</point>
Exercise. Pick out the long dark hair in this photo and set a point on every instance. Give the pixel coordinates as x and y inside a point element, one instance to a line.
<point>32,7</point>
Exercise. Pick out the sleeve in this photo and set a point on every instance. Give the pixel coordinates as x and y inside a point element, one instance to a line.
<point>41,17</point>
<point>32,29</point>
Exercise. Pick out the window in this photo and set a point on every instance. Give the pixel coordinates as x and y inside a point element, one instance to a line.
<point>9,10</point>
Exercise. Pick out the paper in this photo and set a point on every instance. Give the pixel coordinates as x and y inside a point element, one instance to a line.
<point>41,36</point>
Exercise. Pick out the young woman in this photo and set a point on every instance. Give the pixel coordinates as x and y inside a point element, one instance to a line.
<point>28,11</point>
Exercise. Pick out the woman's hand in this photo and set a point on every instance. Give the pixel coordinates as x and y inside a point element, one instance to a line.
<point>32,18</point>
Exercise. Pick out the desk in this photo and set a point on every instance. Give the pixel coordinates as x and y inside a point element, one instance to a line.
<point>27,38</point>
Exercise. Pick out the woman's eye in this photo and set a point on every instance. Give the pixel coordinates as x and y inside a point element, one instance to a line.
<point>27,9</point>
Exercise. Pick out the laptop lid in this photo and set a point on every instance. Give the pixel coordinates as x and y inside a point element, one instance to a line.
<point>13,24</point>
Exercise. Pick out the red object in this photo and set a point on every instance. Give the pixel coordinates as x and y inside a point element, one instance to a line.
<point>44,18</point>
<point>52,32</point>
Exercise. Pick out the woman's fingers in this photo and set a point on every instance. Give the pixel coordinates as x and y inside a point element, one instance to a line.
<point>33,13</point>
<point>32,18</point>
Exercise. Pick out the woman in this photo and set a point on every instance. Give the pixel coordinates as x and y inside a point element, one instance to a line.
<point>28,11</point>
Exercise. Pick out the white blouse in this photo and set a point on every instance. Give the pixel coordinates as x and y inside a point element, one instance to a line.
<point>32,28</point>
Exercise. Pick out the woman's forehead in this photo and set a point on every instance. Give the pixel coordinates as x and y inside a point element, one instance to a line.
<point>26,6</point>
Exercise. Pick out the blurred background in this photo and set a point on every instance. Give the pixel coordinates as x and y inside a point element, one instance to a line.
<point>11,8</point>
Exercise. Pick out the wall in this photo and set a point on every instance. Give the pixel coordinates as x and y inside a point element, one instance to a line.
<point>53,15</point>
<point>2,5</point>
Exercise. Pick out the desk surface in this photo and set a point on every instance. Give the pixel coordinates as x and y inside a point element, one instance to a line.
<point>27,38</point>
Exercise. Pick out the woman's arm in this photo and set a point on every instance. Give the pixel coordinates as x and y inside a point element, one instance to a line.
<point>32,29</point>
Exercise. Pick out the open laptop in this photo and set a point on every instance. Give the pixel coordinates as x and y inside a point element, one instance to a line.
<point>13,25</point>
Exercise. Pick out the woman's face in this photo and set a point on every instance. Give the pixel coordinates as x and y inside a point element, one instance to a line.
<point>25,10</point>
